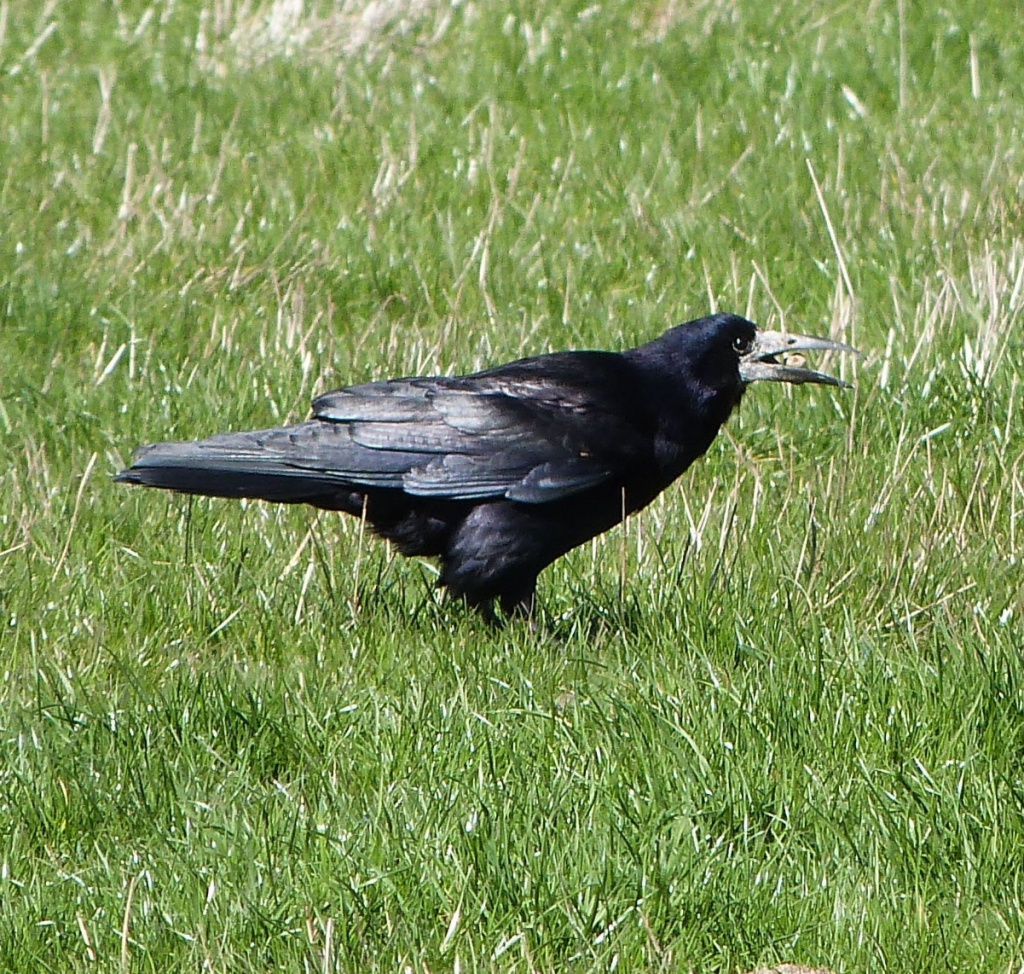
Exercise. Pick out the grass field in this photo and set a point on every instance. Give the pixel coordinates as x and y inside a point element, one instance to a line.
<point>778,718</point>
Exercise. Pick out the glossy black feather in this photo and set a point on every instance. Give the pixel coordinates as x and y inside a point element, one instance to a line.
<point>498,473</point>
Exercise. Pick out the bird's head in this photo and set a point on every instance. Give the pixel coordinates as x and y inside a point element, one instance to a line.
<point>711,361</point>
<point>727,351</point>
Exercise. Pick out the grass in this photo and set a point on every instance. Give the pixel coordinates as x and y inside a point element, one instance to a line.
<point>779,717</point>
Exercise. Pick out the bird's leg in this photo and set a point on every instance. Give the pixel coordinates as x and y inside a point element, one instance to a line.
<point>509,611</point>
<point>520,604</point>
<point>484,607</point>
<point>487,613</point>
<point>517,604</point>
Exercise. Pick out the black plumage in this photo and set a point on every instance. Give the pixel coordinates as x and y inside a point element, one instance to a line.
<point>500,472</point>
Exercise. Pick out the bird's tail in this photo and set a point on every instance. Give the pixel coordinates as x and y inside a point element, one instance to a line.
<point>264,464</point>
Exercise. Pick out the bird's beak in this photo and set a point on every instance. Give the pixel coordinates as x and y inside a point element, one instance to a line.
<point>761,363</point>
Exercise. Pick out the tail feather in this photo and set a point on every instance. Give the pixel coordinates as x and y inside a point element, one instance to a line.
<point>240,465</point>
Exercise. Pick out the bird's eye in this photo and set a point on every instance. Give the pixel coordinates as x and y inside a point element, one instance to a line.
<point>741,344</point>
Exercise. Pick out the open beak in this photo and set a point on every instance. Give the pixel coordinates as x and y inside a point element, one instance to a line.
<point>761,362</point>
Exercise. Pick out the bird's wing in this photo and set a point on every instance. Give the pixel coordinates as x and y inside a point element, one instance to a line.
<point>530,439</point>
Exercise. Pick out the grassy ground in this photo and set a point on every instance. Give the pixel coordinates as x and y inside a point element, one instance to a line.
<point>780,717</point>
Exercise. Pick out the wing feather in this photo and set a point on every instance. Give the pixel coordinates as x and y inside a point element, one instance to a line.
<point>532,438</point>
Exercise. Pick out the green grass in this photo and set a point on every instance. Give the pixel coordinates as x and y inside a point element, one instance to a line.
<point>779,718</point>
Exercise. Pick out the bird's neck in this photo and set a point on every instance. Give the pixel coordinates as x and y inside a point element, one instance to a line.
<point>688,411</point>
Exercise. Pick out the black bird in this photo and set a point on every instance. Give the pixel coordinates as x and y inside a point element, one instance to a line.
<point>500,472</point>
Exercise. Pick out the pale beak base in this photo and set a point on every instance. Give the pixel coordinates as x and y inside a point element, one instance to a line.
<point>760,363</point>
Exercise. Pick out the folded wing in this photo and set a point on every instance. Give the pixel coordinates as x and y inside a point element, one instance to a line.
<point>481,437</point>
<point>531,435</point>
